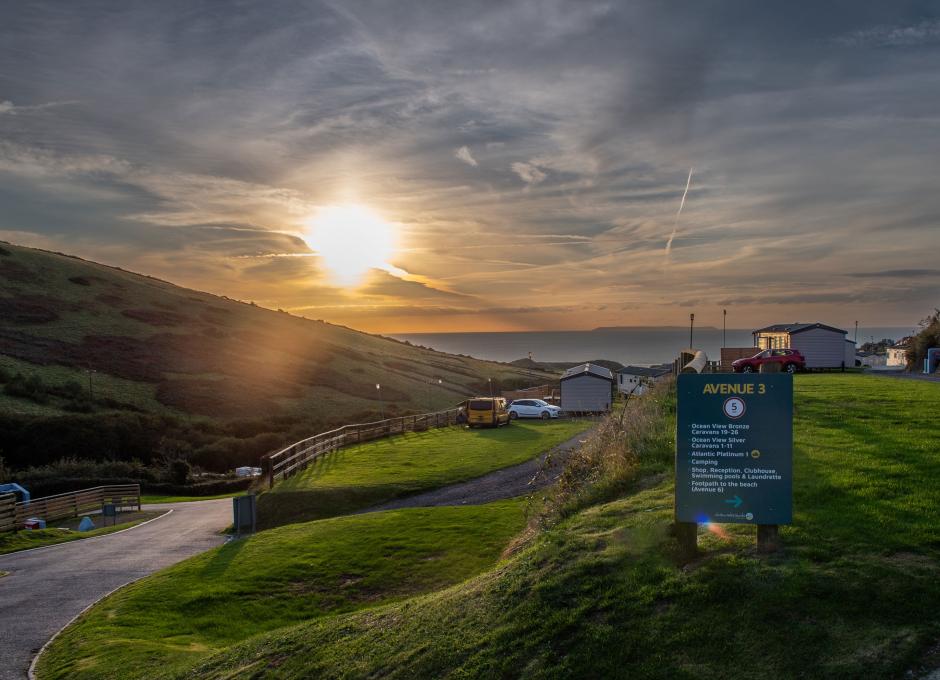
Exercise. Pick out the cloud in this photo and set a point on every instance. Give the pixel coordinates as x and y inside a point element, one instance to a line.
<point>898,273</point>
<point>528,173</point>
<point>924,32</point>
<point>463,153</point>
<point>195,151</point>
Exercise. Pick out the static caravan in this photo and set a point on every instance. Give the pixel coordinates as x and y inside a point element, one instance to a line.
<point>823,346</point>
<point>636,380</point>
<point>586,389</point>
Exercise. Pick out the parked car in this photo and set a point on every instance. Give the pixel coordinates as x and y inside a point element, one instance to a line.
<point>533,408</point>
<point>490,411</point>
<point>791,361</point>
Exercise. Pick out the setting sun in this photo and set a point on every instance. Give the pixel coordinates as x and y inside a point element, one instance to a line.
<point>351,239</point>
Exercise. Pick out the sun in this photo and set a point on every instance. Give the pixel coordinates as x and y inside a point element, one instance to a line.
<point>351,240</point>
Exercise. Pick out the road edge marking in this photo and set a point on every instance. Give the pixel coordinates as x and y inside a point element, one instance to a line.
<point>91,538</point>
<point>31,672</point>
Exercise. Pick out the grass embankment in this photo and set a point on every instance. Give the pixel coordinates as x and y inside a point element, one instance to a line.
<point>24,540</point>
<point>361,476</point>
<point>856,593</point>
<point>165,623</point>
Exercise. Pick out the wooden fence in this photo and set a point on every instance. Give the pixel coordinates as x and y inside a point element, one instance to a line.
<point>299,455</point>
<point>71,504</point>
<point>7,512</point>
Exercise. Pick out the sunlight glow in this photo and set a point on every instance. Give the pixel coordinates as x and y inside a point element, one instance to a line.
<point>351,239</point>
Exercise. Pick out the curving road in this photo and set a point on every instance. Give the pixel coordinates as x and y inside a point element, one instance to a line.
<point>47,587</point>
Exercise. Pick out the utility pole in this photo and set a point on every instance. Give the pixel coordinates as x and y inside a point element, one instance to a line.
<point>691,326</point>
<point>724,328</point>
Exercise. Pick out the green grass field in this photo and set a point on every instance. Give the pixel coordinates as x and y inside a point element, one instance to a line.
<point>361,476</point>
<point>162,625</point>
<point>855,593</point>
<point>24,540</point>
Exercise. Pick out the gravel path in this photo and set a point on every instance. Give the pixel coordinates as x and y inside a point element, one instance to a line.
<point>510,482</point>
<point>49,586</point>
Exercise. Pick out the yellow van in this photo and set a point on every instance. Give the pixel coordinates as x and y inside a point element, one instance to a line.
<point>489,411</point>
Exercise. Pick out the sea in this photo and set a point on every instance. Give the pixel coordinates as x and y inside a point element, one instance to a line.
<point>637,346</point>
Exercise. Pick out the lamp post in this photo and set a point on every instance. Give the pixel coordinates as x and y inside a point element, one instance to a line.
<point>856,332</point>
<point>489,382</point>
<point>724,328</point>
<point>691,326</point>
<point>431,382</point>
<point>378,389</point>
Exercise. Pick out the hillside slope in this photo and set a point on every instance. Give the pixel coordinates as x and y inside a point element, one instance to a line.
<point>855,592</point>
<point>85,337</point>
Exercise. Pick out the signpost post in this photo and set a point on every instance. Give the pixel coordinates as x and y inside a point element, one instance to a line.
<point>734,454</point>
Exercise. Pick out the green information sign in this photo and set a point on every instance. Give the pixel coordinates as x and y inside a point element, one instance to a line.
<point>734,448</point>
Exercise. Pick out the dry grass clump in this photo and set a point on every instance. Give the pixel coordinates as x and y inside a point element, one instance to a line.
<point>638,439</point>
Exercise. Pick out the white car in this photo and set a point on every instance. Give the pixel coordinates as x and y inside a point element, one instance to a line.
<point>533,408</point>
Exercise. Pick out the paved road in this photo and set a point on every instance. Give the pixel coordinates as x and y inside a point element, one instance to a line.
<point>932,377</point>
<point>46,588</point>
<point>506,483</point>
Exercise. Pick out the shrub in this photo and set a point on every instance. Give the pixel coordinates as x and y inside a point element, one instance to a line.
<point>27,387</point>
<point>929,336</point>
<point>641,439</point>
<point>178,471</point>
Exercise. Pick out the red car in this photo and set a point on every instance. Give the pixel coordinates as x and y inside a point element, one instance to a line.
<point>791,360</point>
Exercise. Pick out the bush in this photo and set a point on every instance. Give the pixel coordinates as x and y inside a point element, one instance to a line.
<point>640,440</point>
<point>929,336</point>
<point>27,387</point>
<point>179,472</point>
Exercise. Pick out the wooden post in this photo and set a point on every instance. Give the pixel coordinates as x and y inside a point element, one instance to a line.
<point>687,537</point>
<point>768,538</point>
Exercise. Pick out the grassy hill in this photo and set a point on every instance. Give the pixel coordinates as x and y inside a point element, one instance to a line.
<point>365,475</point>
<point>78,337</point>
<point>599,592</point>
<point>278,578</point>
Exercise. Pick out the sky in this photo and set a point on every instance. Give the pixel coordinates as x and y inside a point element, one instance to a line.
<point>525,162</point>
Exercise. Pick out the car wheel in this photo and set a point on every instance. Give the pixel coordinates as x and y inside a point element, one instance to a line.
<point>546,415</point>
<point>513,415</point>
<point>790,368</point>
<point>747,369</point>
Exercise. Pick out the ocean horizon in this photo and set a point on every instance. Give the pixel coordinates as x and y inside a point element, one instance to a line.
<point>639,346</point>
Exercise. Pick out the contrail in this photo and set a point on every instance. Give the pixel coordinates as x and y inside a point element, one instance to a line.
<point>675,226</point>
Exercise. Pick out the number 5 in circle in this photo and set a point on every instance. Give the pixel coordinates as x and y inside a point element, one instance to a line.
<point>734,407</point>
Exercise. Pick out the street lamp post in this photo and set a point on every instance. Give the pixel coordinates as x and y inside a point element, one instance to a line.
<point>378,389</point>
<point>489,382</point>
<point>724,328</point>
<point>431,382</point>
<point>691,326</point>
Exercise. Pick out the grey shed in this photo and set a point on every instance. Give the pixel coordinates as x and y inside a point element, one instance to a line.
<point>586,389</point>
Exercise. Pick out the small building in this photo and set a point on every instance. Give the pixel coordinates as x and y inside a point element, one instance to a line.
<point>897,354</point>
<point>637,379</point>
<point>587,388</point>
<point>870,359</point>
<point>823,346</point>
<point>850,351</point>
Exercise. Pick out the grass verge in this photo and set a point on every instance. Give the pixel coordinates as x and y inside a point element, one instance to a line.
<point>361,476</point>
<point>599,593</point>
<point>165,623</point>
<point>15,541</point>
